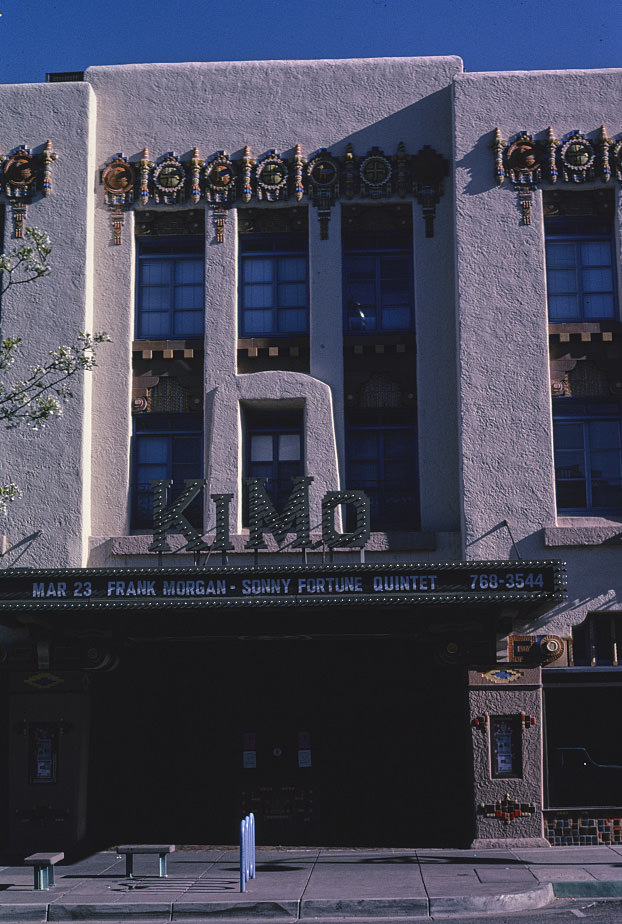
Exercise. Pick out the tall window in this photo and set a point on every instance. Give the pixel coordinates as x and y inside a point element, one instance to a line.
<point>274,450</point>
<point>166,447</point>
<point>588,456</point>
<point>377,281</point>
<point>382,461</point>
<point>274,294</point>
<point>171,290</point>
<point>580,268</point>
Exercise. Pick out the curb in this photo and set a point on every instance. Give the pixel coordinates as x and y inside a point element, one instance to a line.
<point>369,910</point>
<point>489,904</point>
<point>598,888</point>
<point>364,908</point>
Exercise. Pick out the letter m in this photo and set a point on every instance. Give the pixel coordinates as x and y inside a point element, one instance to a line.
<point>264,518</point>
<point>172,518</point>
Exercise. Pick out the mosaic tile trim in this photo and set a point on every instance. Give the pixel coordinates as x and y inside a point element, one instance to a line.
<point>507,809</point>
<point>582,829</point>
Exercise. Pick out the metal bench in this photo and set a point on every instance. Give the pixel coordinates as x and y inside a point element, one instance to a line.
<point>130,850</point>
<point>43,868</point>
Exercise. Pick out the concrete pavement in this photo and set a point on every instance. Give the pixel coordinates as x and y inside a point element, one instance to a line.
<point>312,884</point>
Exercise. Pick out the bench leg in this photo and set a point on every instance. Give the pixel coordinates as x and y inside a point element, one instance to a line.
<point>163,872</point>
<point>41,877</point>
<point>51,880</point>
<point>129,865</point>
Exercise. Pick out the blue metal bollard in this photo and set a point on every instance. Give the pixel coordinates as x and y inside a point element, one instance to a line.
<point>247,850</point>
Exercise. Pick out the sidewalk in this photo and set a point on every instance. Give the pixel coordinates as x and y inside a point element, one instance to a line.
<point>312,883</point>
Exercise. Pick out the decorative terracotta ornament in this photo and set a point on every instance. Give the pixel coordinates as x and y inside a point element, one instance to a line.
<point>271,176</point>
<point>323,176</point>
<point>23,175</point>
<point>118,178</point>
<point>169,180</point>
<point>220,189</point>
<point>429,170</point>
<point>375,173</point>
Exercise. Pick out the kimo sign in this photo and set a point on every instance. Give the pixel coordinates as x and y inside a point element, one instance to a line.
<point>262,517</point>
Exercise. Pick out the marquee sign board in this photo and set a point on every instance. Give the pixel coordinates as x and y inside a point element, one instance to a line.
<point>357,585</point>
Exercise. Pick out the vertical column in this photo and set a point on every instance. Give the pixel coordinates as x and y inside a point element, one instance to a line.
<point>505,710</point>
<point>326,316</point>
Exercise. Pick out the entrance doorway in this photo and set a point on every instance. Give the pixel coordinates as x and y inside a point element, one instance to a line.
<point>330,741</point>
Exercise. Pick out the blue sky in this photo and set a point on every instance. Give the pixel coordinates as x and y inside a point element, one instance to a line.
<point>43,35</point>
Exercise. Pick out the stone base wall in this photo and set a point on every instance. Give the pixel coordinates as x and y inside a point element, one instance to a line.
<point>582,828</point>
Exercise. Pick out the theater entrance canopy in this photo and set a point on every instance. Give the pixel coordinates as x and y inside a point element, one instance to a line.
<point>219,598</point>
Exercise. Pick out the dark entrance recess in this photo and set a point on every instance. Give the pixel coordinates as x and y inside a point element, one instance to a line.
<point>584,748</point>
<point>331,741</point>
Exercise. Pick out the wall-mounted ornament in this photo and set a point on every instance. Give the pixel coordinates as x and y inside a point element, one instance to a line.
<point>507,809</point>
<point>577,158</point>
<point>248,162</point>
<point>271,176</point>
<point>603,147</point>
<point>375,172</point>
<point>523,167</point>
<point>220,189</point>
<point>298,161</point>
<point>169,180</point>
<point>145,166</point>
<point>194,166</point>
<point>616,159</point>
<point>118,178</point>
<point>23,175</point>
<point>428,171</point>
<point>402,171</point>
<point>323,176</point>
<point>527,163</point>
<point>349,173</point>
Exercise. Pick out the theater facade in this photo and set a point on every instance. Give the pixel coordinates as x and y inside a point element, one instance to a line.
<point>331,533</point>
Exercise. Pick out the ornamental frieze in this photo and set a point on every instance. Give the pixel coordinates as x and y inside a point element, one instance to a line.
<point>527,163</point>
<point>23,176</point>
<point>221,180</point>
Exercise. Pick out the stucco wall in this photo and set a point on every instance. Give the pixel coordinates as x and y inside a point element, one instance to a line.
<point>505,398</point>
<point>274,105</point>
<point>52,467</point>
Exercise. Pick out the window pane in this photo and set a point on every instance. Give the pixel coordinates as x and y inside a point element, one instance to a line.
<point>568,435</point>
<point>596,253</point>
<point>289,447</point>
<point>292,269</point>
<point>362,293</point>
<point>294,294</point>
<point>560,255</point>
<point>292,320</point>
<point>597,280</point>
<point>561,281</point>
<point>571,495</point>
<point>257,269</point>
<point>154,272</point>
<point>569,465</point>
<point>258,296</point>
<point>261,447</point>
<point>189,297</point>
<point>564,308</point>
<point>257,322</point>
<point>598,306</point>
<point>189,271</point>
<point>359,268</point>
<point>155,297</point>
<point>396,318</point>
<point>154,324</point>
<point>188,323</point>
<point>604,434</point>
<point>152,449</point>
<point>395,266</point>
